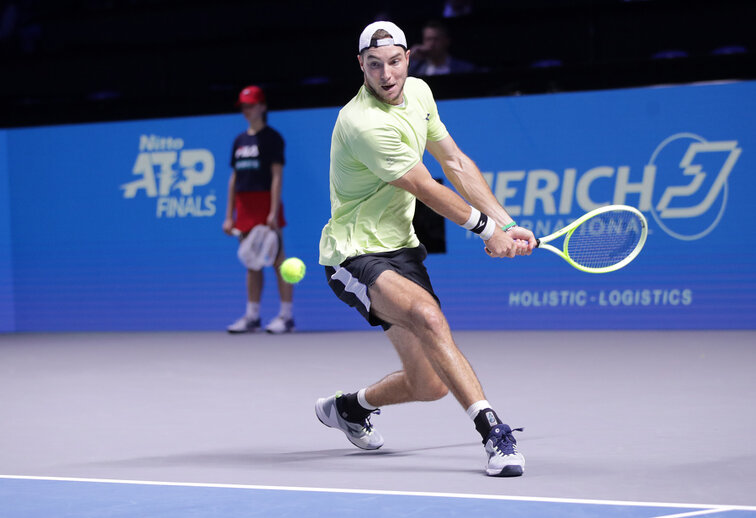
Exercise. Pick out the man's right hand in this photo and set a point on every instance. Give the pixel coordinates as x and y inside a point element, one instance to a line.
<point>517,241</point>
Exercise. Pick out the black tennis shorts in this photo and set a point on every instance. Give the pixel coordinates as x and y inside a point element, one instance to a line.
<point>352,278</point>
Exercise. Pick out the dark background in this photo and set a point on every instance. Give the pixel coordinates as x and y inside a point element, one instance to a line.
<point>99,60</point>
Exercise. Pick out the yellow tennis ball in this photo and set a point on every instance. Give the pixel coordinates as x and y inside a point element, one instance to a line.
<point>292,270</point>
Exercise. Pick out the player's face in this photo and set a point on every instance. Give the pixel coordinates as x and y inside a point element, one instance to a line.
<point>385,71</point>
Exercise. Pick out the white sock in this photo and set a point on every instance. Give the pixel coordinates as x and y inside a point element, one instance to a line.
<point>363,402</point>
<point>253,310</point>
<point>477,407</point>
<point>285,310</point>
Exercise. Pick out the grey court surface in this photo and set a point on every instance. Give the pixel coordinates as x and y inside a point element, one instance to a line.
<point>664,417</point>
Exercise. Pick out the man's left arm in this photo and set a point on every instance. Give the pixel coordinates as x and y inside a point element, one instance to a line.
<point>466,178</point>
<point>275,194</point>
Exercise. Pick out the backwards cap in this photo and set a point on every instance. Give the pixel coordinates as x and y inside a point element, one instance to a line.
<point>396,38</point>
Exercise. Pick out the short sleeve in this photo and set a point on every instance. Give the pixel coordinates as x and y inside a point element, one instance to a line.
<point>384,153</point>
<point>233,153</point>
<point>436,129</point>
<point>274,146</point>
<point>277,149</point>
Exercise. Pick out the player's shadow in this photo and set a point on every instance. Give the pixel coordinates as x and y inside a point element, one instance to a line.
<point>246,458</point>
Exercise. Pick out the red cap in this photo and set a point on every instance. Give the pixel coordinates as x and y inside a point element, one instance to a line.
<point>251,95</point>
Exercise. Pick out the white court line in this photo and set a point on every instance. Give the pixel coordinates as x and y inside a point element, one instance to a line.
<point>702,508</point>
<point>696,513</point>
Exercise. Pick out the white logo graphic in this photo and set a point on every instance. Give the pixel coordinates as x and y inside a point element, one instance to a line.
<point>684,187</point>
<point>172,186</point>
<point>247,152</point>
<point>710,187</point>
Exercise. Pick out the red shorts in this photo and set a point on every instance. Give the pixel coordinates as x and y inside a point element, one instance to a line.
<point>252,208</point>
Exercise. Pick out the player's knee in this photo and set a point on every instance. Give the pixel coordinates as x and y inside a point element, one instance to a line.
<point>436,391</point>
<point>429,390</point>
<point>428,316</point>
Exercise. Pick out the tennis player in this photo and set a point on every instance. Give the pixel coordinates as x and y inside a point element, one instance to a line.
<point>374,261</point>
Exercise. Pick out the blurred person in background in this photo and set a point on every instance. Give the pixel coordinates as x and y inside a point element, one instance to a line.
<point>432,58</point>
<point>254,198</point>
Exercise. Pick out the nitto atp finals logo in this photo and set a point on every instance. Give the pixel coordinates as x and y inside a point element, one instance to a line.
<point>683,186</point>
<point>170,174</point>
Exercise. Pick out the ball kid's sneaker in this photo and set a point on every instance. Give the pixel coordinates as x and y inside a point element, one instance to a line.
<point>244,325</point>
<point>280,325</point>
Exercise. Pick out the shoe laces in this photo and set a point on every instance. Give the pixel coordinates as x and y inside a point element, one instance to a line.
<point>366,424</point>
<point>503,440</point>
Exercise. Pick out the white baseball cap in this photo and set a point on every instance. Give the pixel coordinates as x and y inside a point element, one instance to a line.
<point>397,36</point>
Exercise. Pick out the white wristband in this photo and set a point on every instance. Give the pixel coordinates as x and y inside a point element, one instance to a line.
<point>472,220</point>
<point>489,230</point>
<point>480,224</point>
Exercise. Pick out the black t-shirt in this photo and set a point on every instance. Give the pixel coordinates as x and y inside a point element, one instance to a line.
<point>252,158</point>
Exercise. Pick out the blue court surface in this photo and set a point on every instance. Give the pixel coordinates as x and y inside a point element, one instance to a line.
<point>41,497</point>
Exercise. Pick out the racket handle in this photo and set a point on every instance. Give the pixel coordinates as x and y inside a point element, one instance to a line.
<point>236,232</point>
<point>538,242</point>
<point>488,251</point>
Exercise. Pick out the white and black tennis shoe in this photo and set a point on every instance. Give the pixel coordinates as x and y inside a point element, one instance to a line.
<point>503,458</point>
<point>280,325</point>
<point>245,325</point>
<point>361,434</point>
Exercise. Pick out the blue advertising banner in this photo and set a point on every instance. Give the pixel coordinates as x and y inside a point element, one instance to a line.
<point>118,226</point>
<point>680,154</point>
<point>7,307</point>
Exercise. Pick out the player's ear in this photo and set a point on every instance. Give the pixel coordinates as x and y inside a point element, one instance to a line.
<point>359,59</point>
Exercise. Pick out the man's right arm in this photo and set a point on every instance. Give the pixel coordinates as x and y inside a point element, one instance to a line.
<point>228,223</point>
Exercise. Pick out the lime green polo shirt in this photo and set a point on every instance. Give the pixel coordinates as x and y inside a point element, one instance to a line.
<point>374,143</point>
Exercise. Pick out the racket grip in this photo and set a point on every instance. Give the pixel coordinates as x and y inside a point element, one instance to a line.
<point>538,242</point>
<point>236,232</point>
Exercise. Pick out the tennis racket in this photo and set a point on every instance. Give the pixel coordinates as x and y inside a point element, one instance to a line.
<point>259,248</point>
<point>601,241</point>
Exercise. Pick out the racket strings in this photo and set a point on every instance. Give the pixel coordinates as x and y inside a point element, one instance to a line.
<point>605,239</point>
